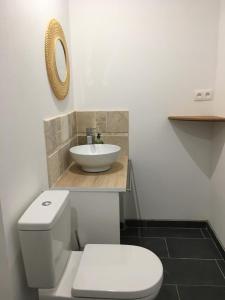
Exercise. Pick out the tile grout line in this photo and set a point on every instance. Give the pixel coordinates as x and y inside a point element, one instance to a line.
<point>192,258</point>
<point>208,235</point>
<point>168,227</point>
<point>153,237</point>
<point>216,242</point>
<point>203,235</point>
<point>200,285</point>
<point>60,147</point>
<point>216,246</point>
<point>185,238</point>
<point>177,292</point>
<point>167,248</point>
<point>220,268</point>
<point>168,237</point>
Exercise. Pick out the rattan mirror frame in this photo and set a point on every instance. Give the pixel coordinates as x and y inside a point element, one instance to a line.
<point>54,33</point>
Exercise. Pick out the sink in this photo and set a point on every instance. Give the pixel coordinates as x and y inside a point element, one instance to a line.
<point>95,157</point>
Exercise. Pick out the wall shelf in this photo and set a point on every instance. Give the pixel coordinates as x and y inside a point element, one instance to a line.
<point>197,118</point>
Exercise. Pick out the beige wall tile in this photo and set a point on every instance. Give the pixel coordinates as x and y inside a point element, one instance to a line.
<point>53,168</point>
<point>121,141</point>
<point>117,121</point>
<point>51,129</point>
<point>65,130</point>
<point>65,152</point>
<point>101,121</point>
<point>50,140</point>
<point>74,141</point>
<point>72,124</point>
<point>85,120</point>
<point>82,140</point>
<point>57,124</point>
<point>60,161</point>
<point>65,157</point>
<point>57,130</point>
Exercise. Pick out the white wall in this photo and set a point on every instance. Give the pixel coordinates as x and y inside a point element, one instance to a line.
<point>26,99</point>
<point>217,210</point>
<point>148,56</point>
<point>5,292</point>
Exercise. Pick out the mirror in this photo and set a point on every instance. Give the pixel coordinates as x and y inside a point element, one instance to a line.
<point>57,60</point>
<point>60,60</point>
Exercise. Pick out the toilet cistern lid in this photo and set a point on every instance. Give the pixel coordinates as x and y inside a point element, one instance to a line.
<point>44,211</point>
<point>117,272</point>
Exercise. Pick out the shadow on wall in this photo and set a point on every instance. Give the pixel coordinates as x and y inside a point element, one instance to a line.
<point>74,229</point>
<point>197,139</point>
<point>127,206</point>
<point>61,105</point>
<point>217,144</point>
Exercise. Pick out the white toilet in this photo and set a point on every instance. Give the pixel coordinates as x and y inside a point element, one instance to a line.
<point>98,272</point>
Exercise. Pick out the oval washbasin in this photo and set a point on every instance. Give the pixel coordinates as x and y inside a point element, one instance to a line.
<point>95,157</point>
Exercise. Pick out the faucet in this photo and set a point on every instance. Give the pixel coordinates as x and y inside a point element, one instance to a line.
<point>90,132</point>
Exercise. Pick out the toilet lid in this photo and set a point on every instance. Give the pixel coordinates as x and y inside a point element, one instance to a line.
<point>117,272</point>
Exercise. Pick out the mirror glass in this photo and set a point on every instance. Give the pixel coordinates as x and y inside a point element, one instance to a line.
<point>60,60</point>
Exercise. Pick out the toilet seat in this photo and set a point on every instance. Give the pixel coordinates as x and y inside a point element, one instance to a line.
<point>117,272</point>
<point>108,272</point>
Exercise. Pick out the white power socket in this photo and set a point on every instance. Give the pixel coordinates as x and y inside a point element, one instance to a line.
<point>208,95</point>
<point>203,95</point>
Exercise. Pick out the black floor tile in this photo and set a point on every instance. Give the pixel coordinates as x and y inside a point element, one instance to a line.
<point>167,292</point>
<point>201,293</point>
<point>206,232</point>
<point>192,248</point>
<point>131,240</point>
<point>192,272</point>
<point>156,245</point>
<point>221,264</point>
<point>165,223</point>
<point>131,231</point>
<point>172,232</point>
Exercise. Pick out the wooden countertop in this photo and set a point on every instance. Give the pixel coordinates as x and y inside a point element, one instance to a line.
<point>113,180</point>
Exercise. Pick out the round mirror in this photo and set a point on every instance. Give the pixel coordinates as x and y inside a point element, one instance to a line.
<point>57,60</point>
<point>60,60</point>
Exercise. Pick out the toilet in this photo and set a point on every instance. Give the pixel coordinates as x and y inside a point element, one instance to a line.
<point>99,272</point>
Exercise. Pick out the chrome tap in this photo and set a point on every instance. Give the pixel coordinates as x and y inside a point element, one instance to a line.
<point>90,134</point>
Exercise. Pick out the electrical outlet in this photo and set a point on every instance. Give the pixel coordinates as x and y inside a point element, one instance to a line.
<point>198,95</point>
<point>208,94</point>
<point>203,95</point>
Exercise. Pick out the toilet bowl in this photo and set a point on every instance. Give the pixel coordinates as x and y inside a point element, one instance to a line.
<point>99,272</point>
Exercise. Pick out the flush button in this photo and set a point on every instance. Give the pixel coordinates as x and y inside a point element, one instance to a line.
<point>46,203</point>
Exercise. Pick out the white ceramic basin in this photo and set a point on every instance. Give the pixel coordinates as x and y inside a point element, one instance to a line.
<point>95,157</point>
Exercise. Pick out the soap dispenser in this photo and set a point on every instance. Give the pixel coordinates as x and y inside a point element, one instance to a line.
<point>99,139</point>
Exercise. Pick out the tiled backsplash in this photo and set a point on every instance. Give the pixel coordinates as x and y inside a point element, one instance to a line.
<point>60,136</point>
<point>64,131</point>
<point>113,125</point>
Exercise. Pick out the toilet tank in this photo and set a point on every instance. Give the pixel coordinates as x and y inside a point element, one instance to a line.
<point>45,238</point>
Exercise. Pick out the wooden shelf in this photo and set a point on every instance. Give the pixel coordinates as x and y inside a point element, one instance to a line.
<point>197,118</point>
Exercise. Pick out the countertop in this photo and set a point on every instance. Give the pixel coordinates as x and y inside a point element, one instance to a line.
<point>113,180</point>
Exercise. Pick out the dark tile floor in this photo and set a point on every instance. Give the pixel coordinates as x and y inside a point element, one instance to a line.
<point>193,267</point>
